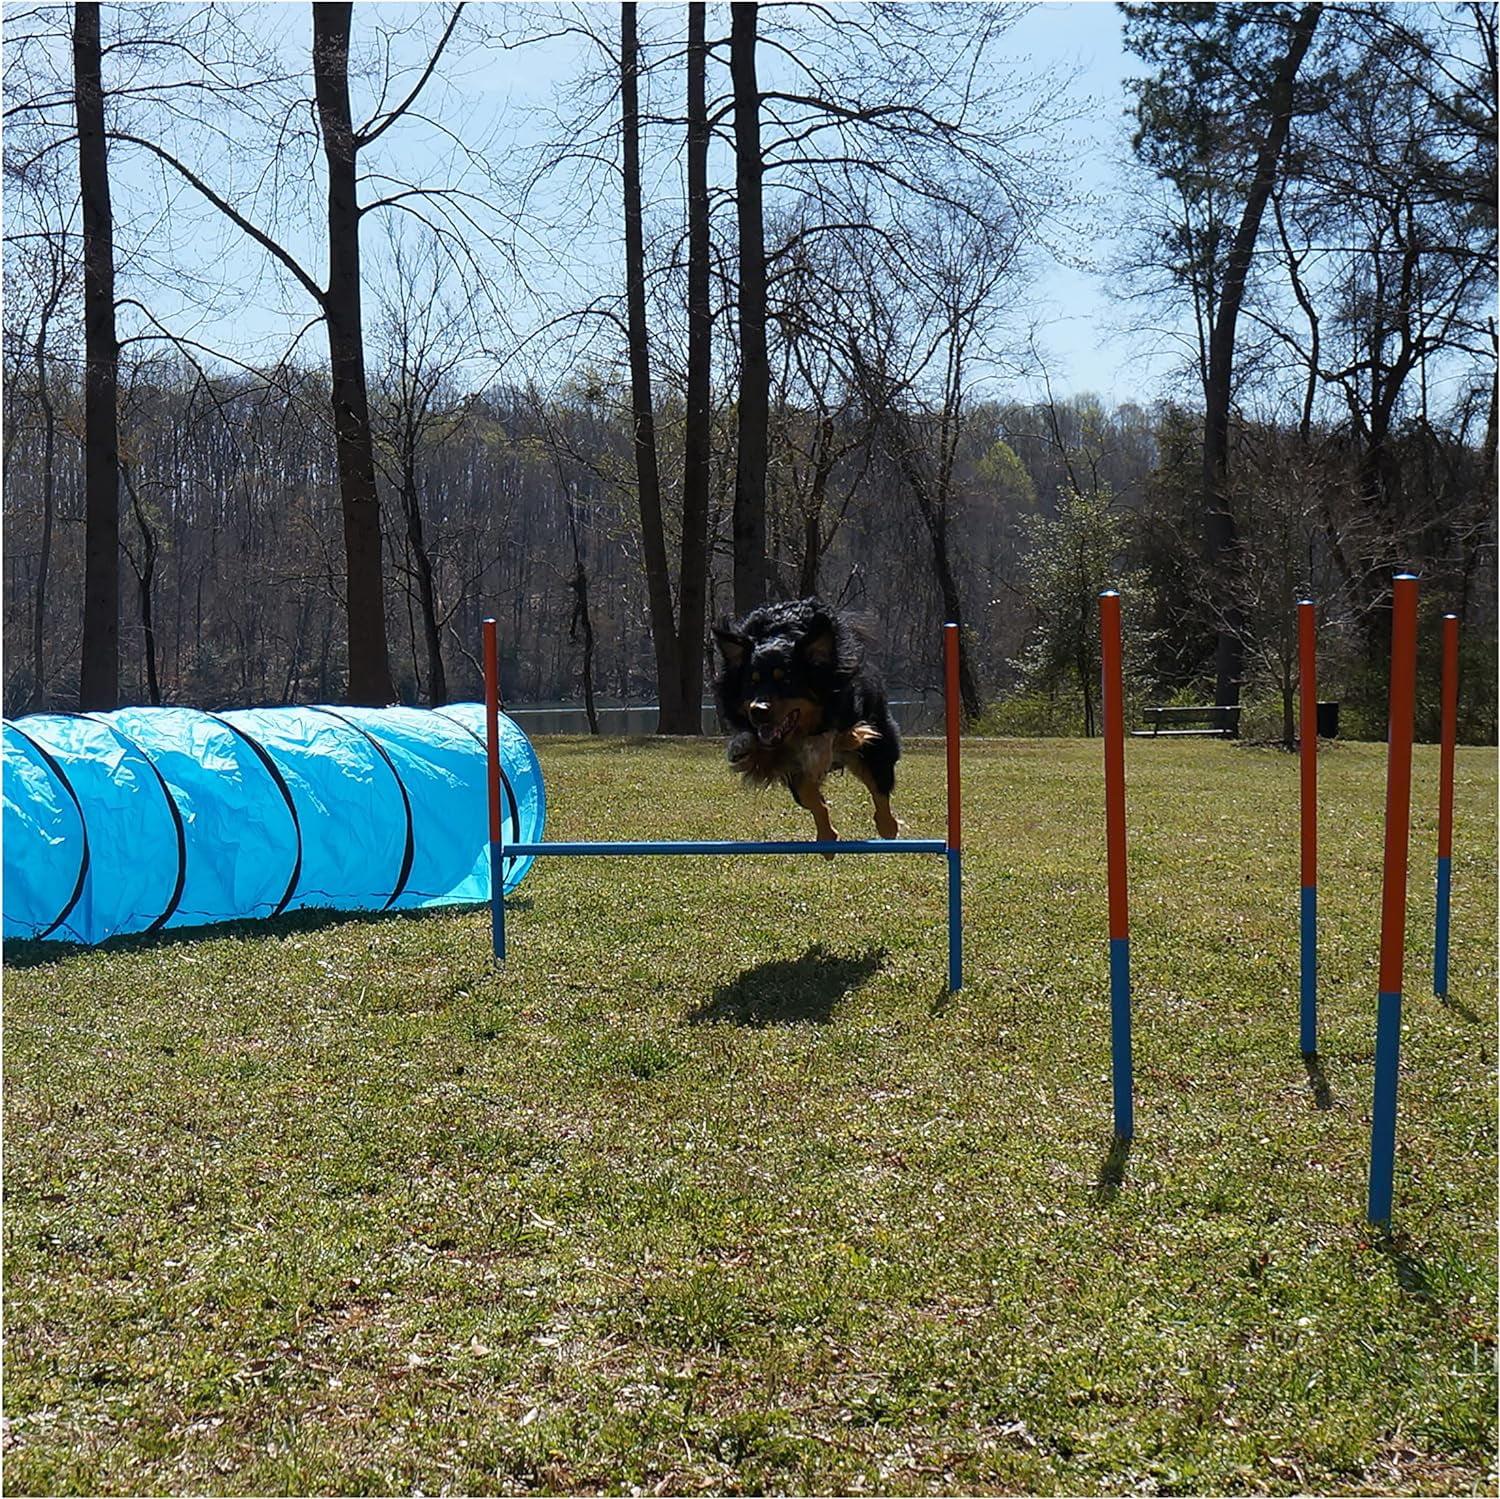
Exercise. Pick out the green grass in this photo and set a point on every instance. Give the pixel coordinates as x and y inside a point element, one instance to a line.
<point>716,1189</point>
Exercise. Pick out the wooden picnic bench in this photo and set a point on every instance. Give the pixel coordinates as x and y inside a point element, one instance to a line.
<point>1221,722</point>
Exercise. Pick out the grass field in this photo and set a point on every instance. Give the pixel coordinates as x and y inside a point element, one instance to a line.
<point>716,1190</point>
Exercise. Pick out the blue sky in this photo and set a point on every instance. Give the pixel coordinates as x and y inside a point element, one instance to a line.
<point>1077,322</point>
<point>1087,346</point>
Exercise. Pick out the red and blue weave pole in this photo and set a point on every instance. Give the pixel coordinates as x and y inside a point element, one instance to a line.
<point>1307,650</point>
<point>1445,806</point>
<point>955,831</point>
<point>1393,896</point>
<point>1113,697</point>
<point>949,847</point>
<point>492,765</point>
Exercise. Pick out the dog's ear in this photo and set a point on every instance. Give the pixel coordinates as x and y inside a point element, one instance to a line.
<point>820,646</point>
<point>732,645</point>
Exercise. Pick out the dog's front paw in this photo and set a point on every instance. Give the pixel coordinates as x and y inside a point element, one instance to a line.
<point>887,825</point>
<point>832,836</point>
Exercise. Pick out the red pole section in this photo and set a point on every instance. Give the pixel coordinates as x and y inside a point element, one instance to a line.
<point>1398,782</point>
<point>492,724</point>
<point>1307,641</point>
<point>1114,762</point>
<point>951,705</point>
<point>1450,736</point>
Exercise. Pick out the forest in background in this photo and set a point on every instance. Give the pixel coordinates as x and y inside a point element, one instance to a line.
<point>663,438</point>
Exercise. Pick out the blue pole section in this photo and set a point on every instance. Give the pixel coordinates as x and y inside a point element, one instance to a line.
<point>1309,970</point>
<point>1383,1118</point>
<point>1440,936</point>
<point>955,921</point>
<point>1119,1031</point>
<point>497,902</point>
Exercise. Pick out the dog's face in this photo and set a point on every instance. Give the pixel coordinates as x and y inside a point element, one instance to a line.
<point>776,674</point>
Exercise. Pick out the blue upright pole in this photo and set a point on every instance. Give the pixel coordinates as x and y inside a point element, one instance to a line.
<point>492,777</point>
<point>1307,637</point>
<point>1449,738</point>
<point>1393,898</point>
<point>952,727</point>
<point>1113,695</point>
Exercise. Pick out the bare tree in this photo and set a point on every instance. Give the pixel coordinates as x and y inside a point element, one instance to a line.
<point>339,305</point>
<point>425,337</point>
<point>917,372</point>
<point>1193,126</point>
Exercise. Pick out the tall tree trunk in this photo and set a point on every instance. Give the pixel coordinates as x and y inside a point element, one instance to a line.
<point>755,367</point>
<point>648,478</point>
<point>99,680</point>
<point>1492,422</point>
<point>364,584</point>
<point>582,619</point>
<point>144,584</point>
<point>432,639</point>
<point>1219,524</point>
<point>812,519</point>
<point>812,536</point>
<point>692,579</point>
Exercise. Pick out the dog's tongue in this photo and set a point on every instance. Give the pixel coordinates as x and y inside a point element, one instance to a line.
<point>775,733</point>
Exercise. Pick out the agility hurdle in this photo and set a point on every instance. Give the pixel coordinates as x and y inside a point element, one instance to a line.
<point>950,847</point>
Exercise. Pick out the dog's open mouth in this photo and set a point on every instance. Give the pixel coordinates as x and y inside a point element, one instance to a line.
<point>773,733</point>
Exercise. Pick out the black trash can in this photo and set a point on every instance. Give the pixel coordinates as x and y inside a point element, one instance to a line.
<point>1328,720</point>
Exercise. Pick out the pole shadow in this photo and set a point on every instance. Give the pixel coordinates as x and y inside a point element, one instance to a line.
<point>1112,1170</point>
<point>25,953</point>
<point>1459,1008</point>
<point>1410,1269</point>
<point>789,991</point>
<point>1318,1080</point>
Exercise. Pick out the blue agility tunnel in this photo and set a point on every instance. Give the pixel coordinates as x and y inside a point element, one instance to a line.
<point>153,818</point>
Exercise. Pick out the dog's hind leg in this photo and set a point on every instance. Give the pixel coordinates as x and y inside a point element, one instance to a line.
<point>885,819</point>
<point>809,794</point>
<point>806,785</point>
<point>872,756</point>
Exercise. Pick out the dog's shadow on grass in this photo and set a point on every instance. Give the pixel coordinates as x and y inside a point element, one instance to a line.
<point>789,991</point>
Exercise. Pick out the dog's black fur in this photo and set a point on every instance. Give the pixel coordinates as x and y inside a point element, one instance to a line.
<point>800,698</point>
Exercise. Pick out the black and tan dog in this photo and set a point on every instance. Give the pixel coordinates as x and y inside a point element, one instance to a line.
<point>797,692</point>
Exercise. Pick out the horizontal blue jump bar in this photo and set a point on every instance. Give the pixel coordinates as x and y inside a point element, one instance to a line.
<point>852,846</point>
